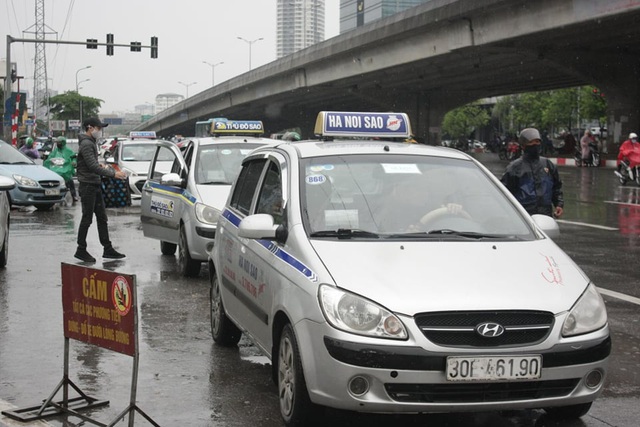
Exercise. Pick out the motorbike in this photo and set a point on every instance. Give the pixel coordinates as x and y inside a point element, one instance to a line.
<point>592,160</point>
<point>509,150</point>
<point>629,171</point>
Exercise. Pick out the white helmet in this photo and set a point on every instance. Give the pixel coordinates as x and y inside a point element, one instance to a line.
<point>633,136</point>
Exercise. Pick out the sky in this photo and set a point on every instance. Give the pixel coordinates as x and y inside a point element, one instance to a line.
<point>189,32</point>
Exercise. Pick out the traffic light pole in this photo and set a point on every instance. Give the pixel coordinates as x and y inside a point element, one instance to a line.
<point>7,81</point>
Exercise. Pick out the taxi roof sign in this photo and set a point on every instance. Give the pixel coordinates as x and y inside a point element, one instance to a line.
<point>149,134</point>
<point>369,125</point>
<point>224,126</point>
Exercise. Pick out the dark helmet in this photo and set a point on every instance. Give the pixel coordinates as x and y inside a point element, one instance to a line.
<point>527,135</point>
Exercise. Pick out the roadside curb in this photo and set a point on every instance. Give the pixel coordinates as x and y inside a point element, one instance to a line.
<point>562,161</point>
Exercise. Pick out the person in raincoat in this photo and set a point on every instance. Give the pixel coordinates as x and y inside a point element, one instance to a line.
<point>29,150</point>
<point>62,160</point>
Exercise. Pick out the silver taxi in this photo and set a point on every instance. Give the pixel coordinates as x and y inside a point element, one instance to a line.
<point>188,186</point>
<point>382,276</point>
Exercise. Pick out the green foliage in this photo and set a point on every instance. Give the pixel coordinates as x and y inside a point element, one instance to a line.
<point>462,121</point>
<point>67,106</point>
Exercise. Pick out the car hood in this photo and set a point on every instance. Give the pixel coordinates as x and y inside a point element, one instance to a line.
<point>37,172</point>
<point>413,277</point>
<point>214,195</point>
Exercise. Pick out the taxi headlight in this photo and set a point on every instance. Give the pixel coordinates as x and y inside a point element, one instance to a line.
<point>25,181</point>
<point>588,314</point>
<point>354,314</point>
<point>207,214</point>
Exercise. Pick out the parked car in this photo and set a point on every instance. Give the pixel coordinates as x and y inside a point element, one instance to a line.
<point>35,184</point>
<point>342,261</point>
<point>183,197</point>
<point>5,218</point>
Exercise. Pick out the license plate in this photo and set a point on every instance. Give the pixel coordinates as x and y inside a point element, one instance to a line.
<point>487,368</point>
<point>52,192</point>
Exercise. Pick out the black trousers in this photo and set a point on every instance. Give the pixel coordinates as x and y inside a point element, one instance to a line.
<point>92,203</point>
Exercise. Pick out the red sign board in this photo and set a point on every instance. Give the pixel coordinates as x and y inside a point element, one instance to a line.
<point>99,307</point>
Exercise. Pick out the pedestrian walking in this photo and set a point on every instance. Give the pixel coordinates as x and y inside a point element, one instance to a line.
<point>89,173</point>
<point>534,180</point>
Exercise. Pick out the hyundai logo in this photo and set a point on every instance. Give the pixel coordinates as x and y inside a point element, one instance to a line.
<point>490,329</point>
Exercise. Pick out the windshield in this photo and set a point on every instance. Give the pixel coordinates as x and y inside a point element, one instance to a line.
<point>11,156</point>
<point>139,152</point>
<point>220,163</point>
<point>378,196</point>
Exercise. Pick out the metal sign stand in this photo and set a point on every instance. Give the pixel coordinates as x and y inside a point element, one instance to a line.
<point>49,408</point>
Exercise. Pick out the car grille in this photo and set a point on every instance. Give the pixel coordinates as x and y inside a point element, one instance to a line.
<point>458,329</point>
<point>49,184</point>
<point>480,392</point>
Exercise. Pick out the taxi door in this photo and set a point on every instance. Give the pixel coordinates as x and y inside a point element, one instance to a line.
<point>162,202</point>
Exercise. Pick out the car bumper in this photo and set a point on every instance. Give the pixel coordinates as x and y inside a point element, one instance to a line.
<point>404,377</point>
<point>27,196</point>
<point>201,240</point>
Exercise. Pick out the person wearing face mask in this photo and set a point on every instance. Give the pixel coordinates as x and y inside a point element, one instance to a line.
<point>534,180</point>
<point>89,172</point>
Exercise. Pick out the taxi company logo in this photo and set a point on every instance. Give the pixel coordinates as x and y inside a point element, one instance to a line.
<point>490,329</point>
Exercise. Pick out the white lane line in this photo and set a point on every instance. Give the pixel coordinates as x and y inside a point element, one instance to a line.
<point>586,224</point>
<point>613,202</point>
<point>624,297</point>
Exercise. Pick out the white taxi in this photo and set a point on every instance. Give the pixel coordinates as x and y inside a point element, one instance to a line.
<point>381,276</point>
<point>187,187</point>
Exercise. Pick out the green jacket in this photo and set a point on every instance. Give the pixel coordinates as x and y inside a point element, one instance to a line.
<point>62,161</point>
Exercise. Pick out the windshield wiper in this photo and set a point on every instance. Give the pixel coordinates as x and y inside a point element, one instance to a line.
<point>215,183</point>
<point>454,233</point>
<point>345,233</point>
<point>15,163</point>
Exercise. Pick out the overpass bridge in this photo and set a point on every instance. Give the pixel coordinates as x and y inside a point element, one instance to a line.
<point>435,57</point>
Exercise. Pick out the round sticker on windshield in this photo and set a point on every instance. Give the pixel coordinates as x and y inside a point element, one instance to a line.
<point>315,179</point>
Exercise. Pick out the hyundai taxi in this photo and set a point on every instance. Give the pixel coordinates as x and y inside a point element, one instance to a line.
<point>183,197</point>
<point>381,276</point>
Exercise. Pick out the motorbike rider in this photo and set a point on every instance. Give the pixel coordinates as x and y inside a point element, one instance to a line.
<point>29,150</point>
<point>62,160</point>
<point>627,149</point>
<point>534,180</point>
<point>586,142</point>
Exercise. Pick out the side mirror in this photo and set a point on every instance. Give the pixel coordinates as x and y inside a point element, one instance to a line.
<point>110,160</point>
<point>172,179</point>
<point>6,183</point>
<point>547,224</point>
<point>261,226</point>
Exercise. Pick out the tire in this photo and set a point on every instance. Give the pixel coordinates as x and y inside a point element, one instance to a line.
<point>223,331</point>
<point>510,155</point>
<point>568,412</point>
<point>168,248</point>
<point>502,155</point>
<point>295,406</point>
<point>187,265</point>
<point>595,159</point>
<point>4,252</point>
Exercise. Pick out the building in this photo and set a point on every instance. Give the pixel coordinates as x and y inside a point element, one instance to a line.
<point>166,100</point>
<point>356,13</point>
<point>300,24</point>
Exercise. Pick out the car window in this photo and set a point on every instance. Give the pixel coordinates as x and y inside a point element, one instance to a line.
<point>270,198</point>
<point>165,162</point>
<point>141,153</point>
<point>9,155</point>
<point>389,195</point>
<point>220,163</point>
<point>246,185</point>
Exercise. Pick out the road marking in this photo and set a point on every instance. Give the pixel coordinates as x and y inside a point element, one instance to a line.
<point>618,295</point>
<point>613,202</point>
<point>586,224</point>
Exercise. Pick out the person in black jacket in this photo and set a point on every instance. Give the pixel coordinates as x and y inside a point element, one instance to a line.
<point>534,180</point>
<point>89,172</point>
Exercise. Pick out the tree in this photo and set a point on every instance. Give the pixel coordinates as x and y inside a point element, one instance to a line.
<point>67,106</point>
<point>461,122</point>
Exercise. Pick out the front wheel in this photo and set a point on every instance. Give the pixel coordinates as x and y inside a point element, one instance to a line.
<point>568,412</point>
<point>223,331</point>
<point>295,406</point>
<point>188,266</point>
<point>4,252</point>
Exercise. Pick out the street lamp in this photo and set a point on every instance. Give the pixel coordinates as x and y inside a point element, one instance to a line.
<point>213,66</point>
<point>186,85</point>
<point>84,68</point>
<point>250,42</point>
<point>78,87</point>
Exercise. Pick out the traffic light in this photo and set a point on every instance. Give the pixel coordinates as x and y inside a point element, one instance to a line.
<point>110,44</point>
<point>14,75</point>
<point>92,43</point>
<point>136,47</point>
<point>154,47</point>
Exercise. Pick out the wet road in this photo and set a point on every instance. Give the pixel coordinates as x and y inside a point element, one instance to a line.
<point>186,380</point>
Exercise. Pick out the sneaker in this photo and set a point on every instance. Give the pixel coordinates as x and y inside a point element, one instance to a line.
<point>83,255</point>
<point>112,253</point>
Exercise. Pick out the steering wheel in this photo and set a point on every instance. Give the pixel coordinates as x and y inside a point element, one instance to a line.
<point>442,212</point>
